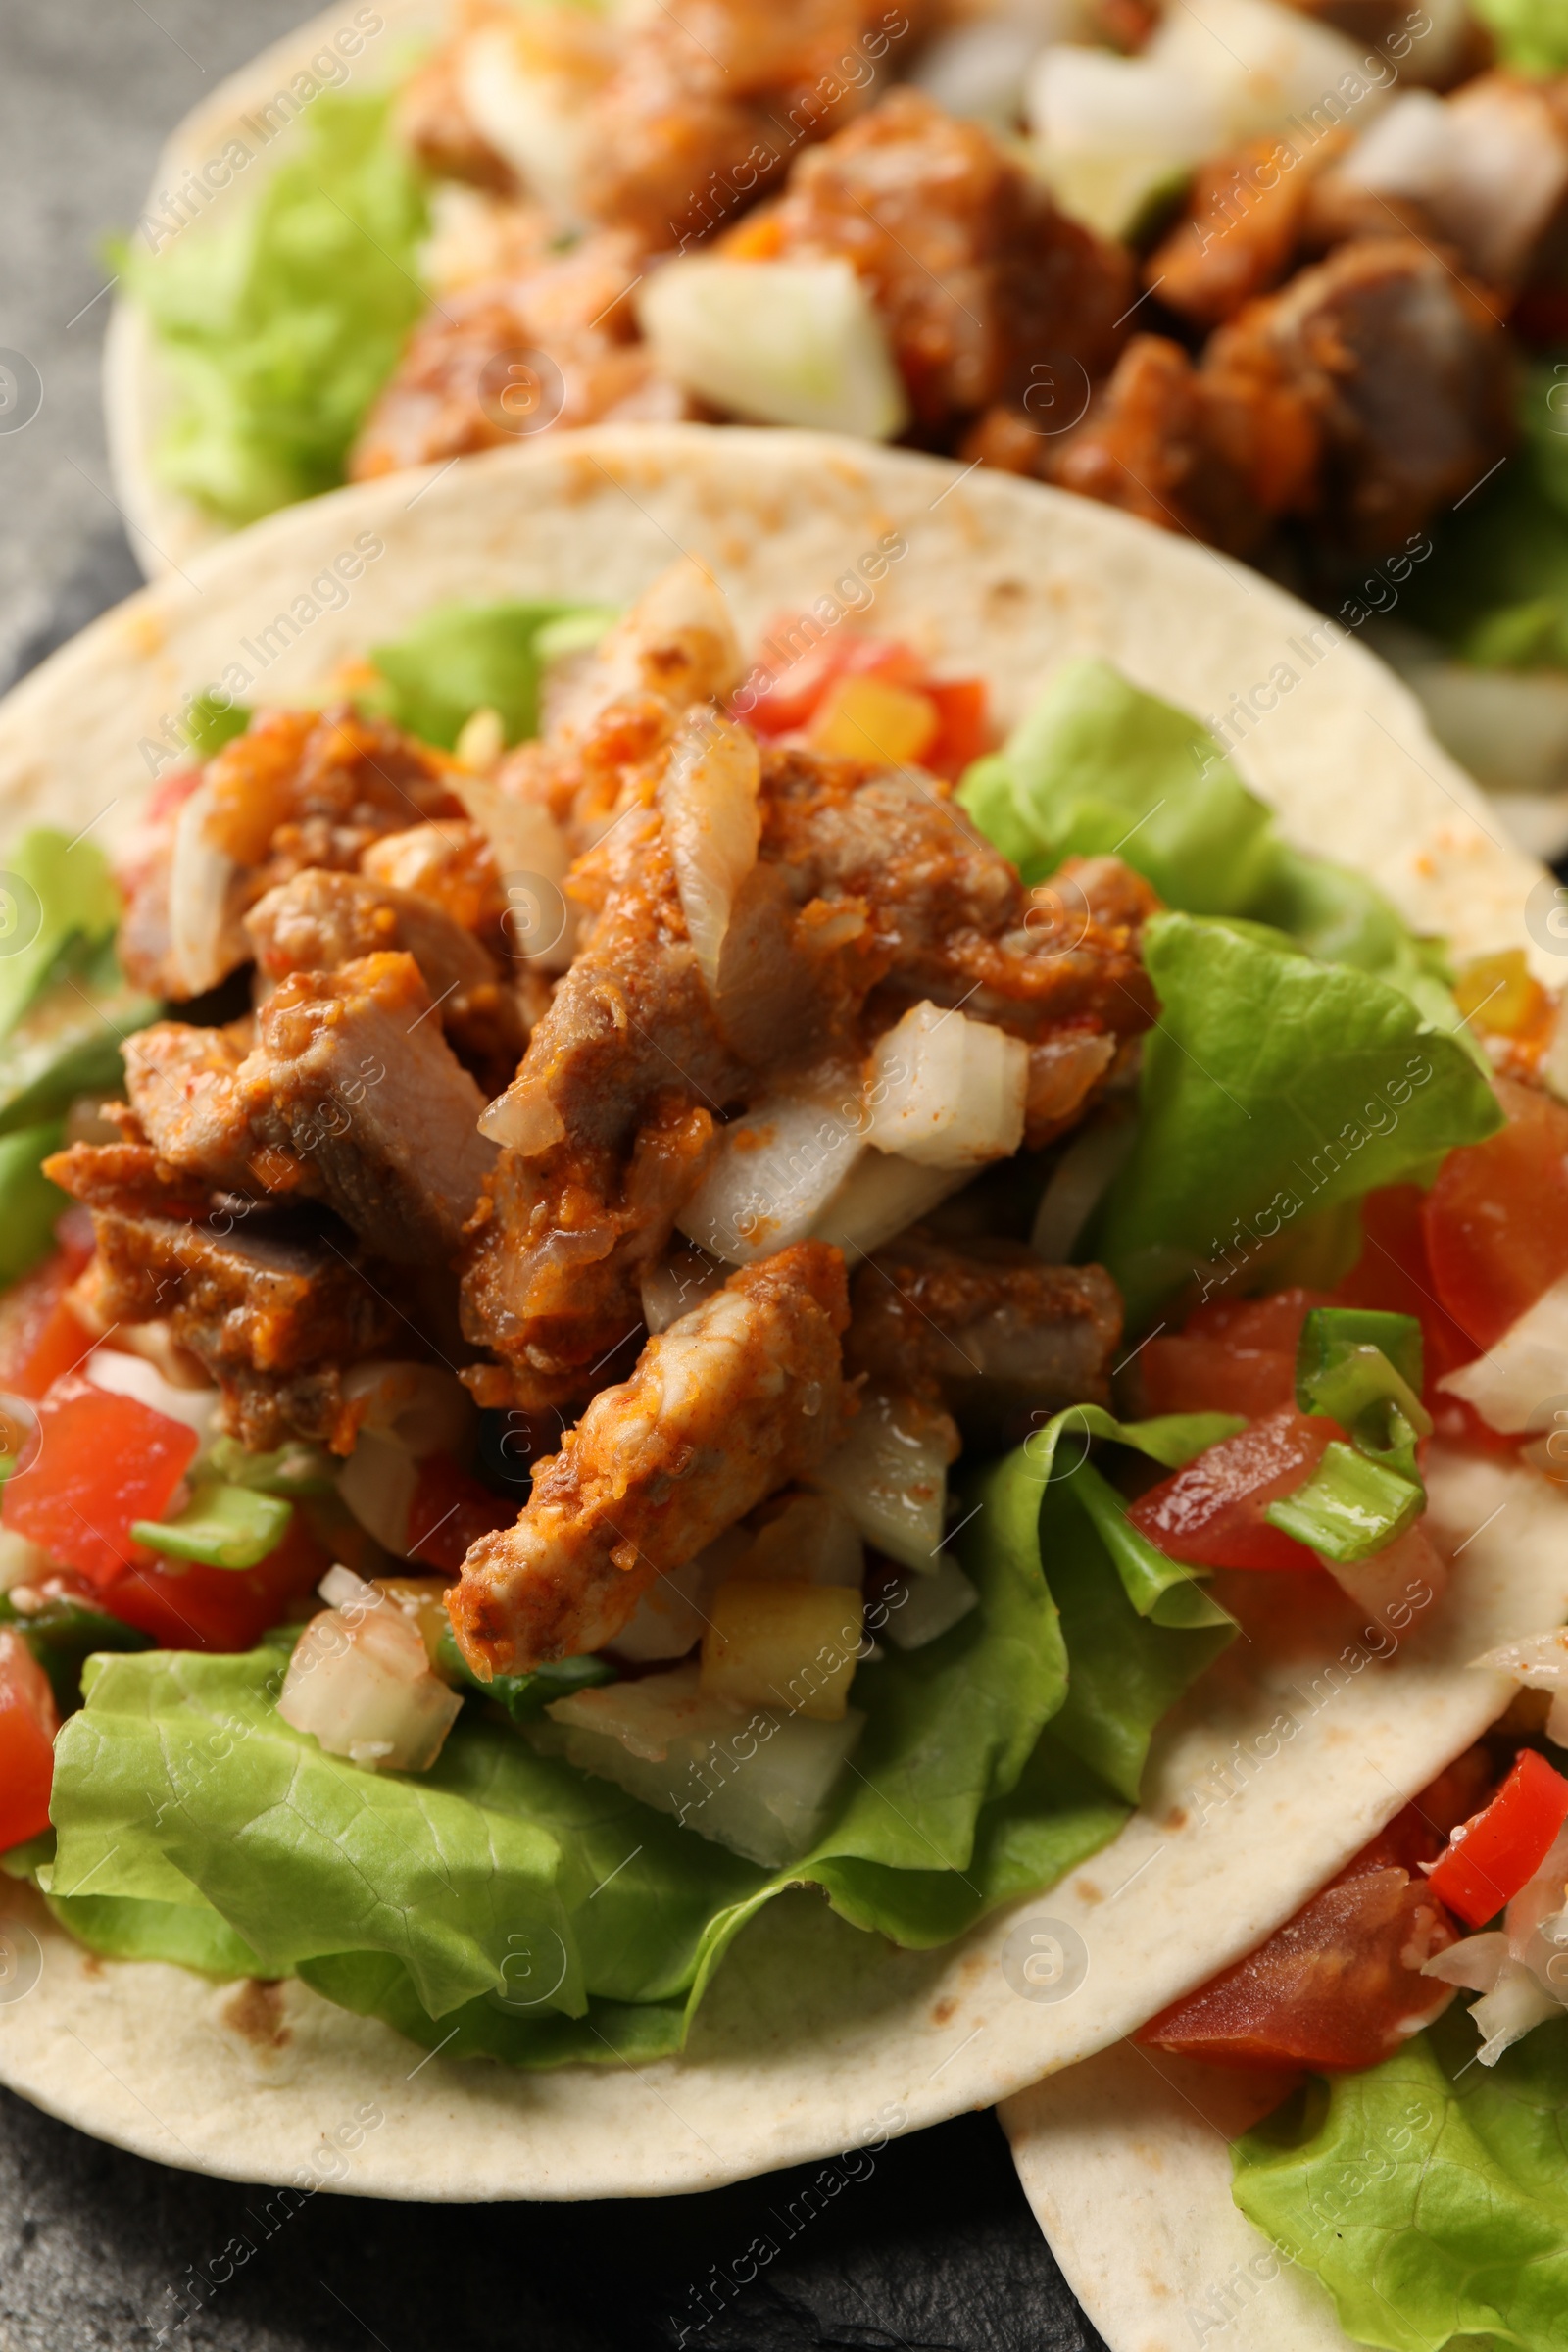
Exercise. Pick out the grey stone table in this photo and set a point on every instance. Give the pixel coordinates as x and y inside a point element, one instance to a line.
<point>928,2246</point>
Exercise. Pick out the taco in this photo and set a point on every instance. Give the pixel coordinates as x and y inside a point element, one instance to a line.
<point>1201,261</point>
<point>539,971</point>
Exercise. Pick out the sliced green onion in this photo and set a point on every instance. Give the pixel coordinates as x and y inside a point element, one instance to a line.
<point>1331,1335</point>
<point>295,1469</point>
<point>222,1526</point>
<point>1350,1507</point>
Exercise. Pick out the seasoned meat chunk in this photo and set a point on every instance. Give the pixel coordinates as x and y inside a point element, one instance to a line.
<point>709,103</point>
<point>185,1086</point>
<point>353,1075</point>
<point>988,1330</point>
<point>1238,233</point>
<point>434,122</point>
<point>726,1406</point>
<point>981,281</point>
<point>552,348</point>
<point>1408,370</point>
<point>320,920</point>
<point>1218,452</point>
<point>299,788</point>
<point>276,1306</point>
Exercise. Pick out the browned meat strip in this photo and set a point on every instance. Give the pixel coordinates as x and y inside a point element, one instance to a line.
<point>432,119</point>
<point>185,1087</point>
<point>981,281</point>
<point>351,1074</point>
<point>1410,372</point>
<point>300,788</point>
<point>265,1302</point>
<point>1238,234</point>
<point>320,920</point>
<point>546,351</point>
<point>989,1331</point>
<point>726,1406</point>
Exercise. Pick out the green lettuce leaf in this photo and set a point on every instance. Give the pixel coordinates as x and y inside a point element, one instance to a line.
<point>1531,34</point>
<point>29,1203</point>
<point>1429,2195</point>
<point>66,1041</point>
<point>1273,1088</point>
<point>1099,765</point>
<point>53,891</point>
<point>280,320</point>
<point>460,659</point>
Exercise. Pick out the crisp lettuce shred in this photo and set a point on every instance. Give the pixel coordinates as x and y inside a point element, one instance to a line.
<point>1307,1048</point>
<point>495,1895</point>
<point>461,659</point>
<point>1532,35</point>
<point>1429,2195</point>
<point>281,320</point>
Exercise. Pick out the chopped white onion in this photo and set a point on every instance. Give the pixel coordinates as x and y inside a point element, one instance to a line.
<point>1260,65</point>
<point>1082,1177</point>
<point>20,1562</point>
<point>880,1195</point>
<point>676,1284</point>
<point>684,614</point>
<point>532,855</point>
<point>526,82</point>
<point>812,1540</point>
<point>670,1617</point>
<point>757,1781</point>
<point>206,941</point>
<point>794,342</point>
<point>1515,1383</point>
<point>360,1681</point>
<point>420,1407</point>
<point>921,1608</point>
<point>979,68</point>
<point>1476,1962</point>
<point>377,1482</point>
<point>1112,131</point>
<point>1506,2015</point>
<point>775,1172</point>
<point>890,1477</point>
<point>524,1117</point>
<point>1490,165</point>
<point>708,798</point>
<point>944,1090</point>
<point>133,1376</point>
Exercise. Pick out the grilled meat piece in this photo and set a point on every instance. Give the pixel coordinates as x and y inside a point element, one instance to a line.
<point>434,122</point>
<point>320,921</point>
<point>1408,370</point>
<point>299,788</point>
<point>552,348</point>
<point>726,1406</point>
<point>987,1330</point>
<point>352,1076</point>
<point>1238,233</point>
<point>983,283</point>
<point>192,1106</point>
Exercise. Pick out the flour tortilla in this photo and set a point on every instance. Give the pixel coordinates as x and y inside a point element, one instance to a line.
<point>816,2038</point>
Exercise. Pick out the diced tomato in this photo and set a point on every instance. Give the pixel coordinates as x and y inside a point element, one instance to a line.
<point>963,726</point>
<point>1234,1357</point>
<point>39,1336</point>
<point>28,1723</point>
<point>185,1605</point>
<point>96,1463</point>
<point>450,1511</point>
<point>1338,1984</point>
<point>1394,1274</point>
<point>1496,1218</point>
<point>790,699</point>
<point>1210,1514</point>
<point>1498,1851</point>
<point>172,793</point>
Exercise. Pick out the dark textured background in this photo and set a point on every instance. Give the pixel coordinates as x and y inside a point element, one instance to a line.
<point>933,2245</point>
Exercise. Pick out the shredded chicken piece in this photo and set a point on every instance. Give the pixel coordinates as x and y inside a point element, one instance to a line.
<point>982,281</point>
<point>352,1075</point>
<point>731,1402</point>
<point>320,921</point>
<point>988,1330</point>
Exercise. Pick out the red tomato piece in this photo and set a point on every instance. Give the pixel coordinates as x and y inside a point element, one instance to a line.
<point>40,1338</point>
<point>963,726</point>
<point>27,1726</point>
<point>789,698</point>
<point>1339,1986</point>
<point>1496,1218</point>
<point>1210,1514</point>
<point>1394,1274</point>
<point>1235,1356</point>
<point>97,1462</point>
<point>1499,1850</point>
<point>450,1511</point>
<point>187,1605</point>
